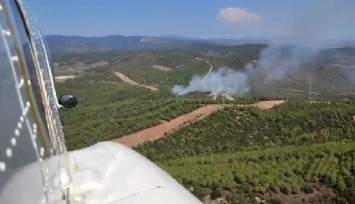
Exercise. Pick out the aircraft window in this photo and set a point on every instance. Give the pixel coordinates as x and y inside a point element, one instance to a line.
<point>30,138</point>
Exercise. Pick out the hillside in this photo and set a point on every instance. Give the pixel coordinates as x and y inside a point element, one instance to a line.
<point>292,148</point>
<point>298,152</point>
<point>331,66</point>
<point>295,123</point>
<point>290,174</point>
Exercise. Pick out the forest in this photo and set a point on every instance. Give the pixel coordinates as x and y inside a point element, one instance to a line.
<point>266,172</point>
<point>294,147</point>
<point>244,128</point>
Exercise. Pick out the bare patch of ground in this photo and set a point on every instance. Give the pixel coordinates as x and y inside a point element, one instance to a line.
<point>64,78</point>
<point>130,81</point>
<point>100,63</point>
<point>321,196</point>
<point>161,130</point>
<point>268,104</point>
<point>73,66</point>
<point>163,68</point>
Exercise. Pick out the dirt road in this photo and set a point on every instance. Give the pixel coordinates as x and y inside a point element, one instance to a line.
<point>130,81</point>
<point>156,132</point>
<point>209,71</point>
<point>159,131</point>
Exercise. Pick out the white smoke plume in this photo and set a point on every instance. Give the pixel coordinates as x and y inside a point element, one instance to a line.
<point>327,20</point>
<point>222,81</point>
<point>280,61</point>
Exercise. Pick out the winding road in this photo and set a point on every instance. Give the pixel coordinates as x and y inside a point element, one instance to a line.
<point>209,71</point>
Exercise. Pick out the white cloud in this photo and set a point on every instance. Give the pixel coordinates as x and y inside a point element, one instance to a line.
<point>238,15</point>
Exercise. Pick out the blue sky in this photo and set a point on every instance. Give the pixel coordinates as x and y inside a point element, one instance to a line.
<point>190,18</point>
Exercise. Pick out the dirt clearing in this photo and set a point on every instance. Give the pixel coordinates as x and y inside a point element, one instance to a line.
<point>159,131</point>
<point>268,104</point>
<point>321,196</point>
<point>64,78</point>
<point>163,68</point>
<point>130,81</point>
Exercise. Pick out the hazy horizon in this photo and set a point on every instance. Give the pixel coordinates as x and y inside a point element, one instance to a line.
<point>269,19</point>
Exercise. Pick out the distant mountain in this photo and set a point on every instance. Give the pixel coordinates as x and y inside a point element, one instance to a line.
<point>175,37</point>
<point>61,44</point>
<point>75,44</point>
<point>339,44</point>
<point>343,55</point>
<point>242,41</point>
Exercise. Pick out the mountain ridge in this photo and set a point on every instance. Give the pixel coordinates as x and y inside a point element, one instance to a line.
<point>76,44</point>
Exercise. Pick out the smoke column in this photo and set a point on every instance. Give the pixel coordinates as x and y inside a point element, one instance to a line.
<point>278,62</point>
<point>326,20</point>
<point>223,80</point>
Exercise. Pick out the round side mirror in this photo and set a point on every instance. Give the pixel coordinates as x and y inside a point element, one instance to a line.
<point>68,101</point>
